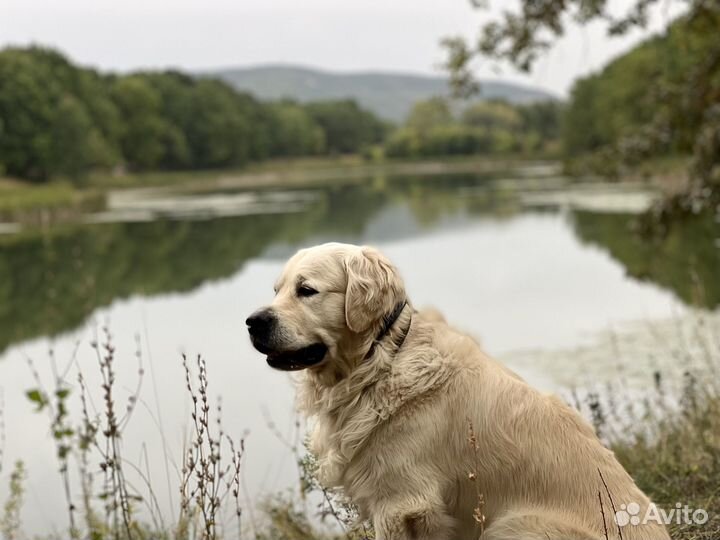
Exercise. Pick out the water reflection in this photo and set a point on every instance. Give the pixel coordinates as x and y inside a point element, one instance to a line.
<point>51,282</point>
<point>518,278</point>
<point>686,260</point>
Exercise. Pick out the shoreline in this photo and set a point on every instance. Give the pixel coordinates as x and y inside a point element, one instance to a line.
<point>28,206</point>
<point>24,204</point>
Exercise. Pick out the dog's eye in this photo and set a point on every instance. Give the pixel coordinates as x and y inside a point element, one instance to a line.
<point>304,290</point>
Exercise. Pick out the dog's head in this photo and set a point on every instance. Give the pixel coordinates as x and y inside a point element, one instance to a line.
<point>328,299</point>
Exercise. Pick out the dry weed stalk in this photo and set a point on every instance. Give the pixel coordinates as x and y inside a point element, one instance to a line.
<point>343,512</point>
<point>478,514</point>
<point>10,522</point>
<point>116,491</point>
<point>206,481</point>
<point>85,441</point>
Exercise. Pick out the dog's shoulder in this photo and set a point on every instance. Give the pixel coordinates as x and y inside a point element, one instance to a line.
<point>464,351</point>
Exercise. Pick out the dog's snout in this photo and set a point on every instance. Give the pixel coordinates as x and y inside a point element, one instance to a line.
<point>260,322</point>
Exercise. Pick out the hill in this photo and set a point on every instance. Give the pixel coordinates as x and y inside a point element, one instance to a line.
<point>389,95</point>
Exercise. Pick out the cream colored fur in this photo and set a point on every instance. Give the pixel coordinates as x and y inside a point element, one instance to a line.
<point>391,430</point>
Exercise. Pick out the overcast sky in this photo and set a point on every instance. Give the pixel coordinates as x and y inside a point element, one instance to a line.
<point>397,35</point>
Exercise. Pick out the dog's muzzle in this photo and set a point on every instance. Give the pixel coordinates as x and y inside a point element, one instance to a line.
<point>262,327</point>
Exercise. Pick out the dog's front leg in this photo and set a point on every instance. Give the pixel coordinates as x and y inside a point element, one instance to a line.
<point>413,519</point>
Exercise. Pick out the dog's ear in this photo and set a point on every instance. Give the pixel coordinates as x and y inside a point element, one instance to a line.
<point>374,288</point>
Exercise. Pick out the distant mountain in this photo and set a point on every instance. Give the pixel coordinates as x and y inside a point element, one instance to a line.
<point>389,95</point>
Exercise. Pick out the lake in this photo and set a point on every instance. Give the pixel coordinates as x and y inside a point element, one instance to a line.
<point>520,258</point>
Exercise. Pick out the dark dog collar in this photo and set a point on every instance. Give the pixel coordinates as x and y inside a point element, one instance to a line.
<point>388,322</point>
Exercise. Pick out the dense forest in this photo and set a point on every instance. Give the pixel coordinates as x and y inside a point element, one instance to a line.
<point>60,120</point>
<point>653,101</point>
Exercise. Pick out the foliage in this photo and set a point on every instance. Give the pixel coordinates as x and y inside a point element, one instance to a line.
<point>43,99</point>
<point>347,127</point>
<point>297,133</point>
<point>430,114</point>
<point>60,120</point>
<point>644,87</point>
<point>662,97</point>
<point>492,115</point>
<point>143,129</point>
<point>484,127</point>
<point>521,35</point>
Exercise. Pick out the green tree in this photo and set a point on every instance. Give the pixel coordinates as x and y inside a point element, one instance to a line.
<point>39,90</point>
<point>347,127</point>
<point>429,114</point>
<point>220,129</point>
<point>492,115</point>
<point>76,144</point>
<point>175,90</point>
<point>295,131</point>
<point>669,89</point>
<point>28,96</point>
<point>543,118</point>
<point>57,119</point>
<point>144,131</point>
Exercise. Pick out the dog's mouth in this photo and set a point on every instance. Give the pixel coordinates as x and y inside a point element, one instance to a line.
<point>298,359</point>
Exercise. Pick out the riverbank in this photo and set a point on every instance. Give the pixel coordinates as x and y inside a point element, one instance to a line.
<point>61,201</point>
<point>41,204</point>
<point>29,204</point>
<point>669,174</point>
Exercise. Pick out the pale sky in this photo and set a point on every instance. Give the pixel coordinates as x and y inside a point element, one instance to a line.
<point>388,35</point>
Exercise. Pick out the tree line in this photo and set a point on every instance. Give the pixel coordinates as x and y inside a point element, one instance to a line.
<point>58,120</point>
<point>657,99</point>
<point>61,120</point>
<point>495,127</point>
<point>661,98</point>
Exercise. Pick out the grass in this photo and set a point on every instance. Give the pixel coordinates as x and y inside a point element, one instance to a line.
<point>680,463</point>
<point>676,457</point>
<point>668,439</point>
<point>37,203</point>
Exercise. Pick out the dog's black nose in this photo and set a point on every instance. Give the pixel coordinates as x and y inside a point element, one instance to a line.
<point>260,322</point>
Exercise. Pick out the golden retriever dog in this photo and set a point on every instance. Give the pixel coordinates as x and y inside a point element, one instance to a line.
<point>393,395</point>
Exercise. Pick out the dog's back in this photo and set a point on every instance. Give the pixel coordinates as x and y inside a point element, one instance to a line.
<point>482,430</point>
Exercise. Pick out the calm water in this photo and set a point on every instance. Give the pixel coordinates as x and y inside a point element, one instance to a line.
<point>518,276</point>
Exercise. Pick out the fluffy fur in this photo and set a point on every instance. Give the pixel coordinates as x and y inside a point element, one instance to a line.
<point>391,430</point>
